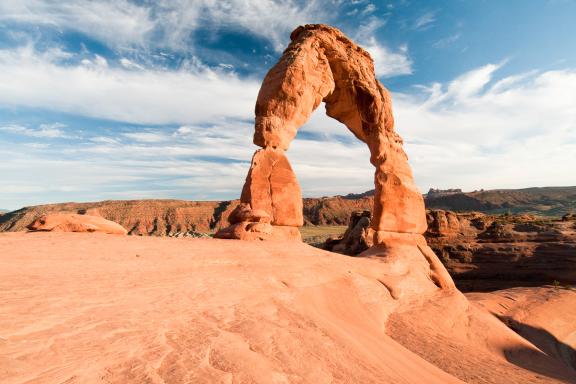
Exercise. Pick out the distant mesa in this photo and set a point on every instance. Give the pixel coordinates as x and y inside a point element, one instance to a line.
<point>433,192</point>
<point>69,222</point>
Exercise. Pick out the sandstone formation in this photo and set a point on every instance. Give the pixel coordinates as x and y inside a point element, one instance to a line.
<point>131,309</point>
<point>488,252</point>
<point>544,315</point>
<point>547,201</point>
<point>69,222</point>
<point>355,240</point>
<point>323,65</point>
<point>171,217</point>
<point>139,217</point>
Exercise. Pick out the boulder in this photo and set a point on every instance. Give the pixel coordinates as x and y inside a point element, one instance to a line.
<point>70,222</point>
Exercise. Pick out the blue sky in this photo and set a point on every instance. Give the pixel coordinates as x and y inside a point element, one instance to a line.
<point>154,99</point>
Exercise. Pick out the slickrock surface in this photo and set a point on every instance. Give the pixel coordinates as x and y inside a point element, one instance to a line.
<point>544,315</point>
<point>69,222</point>
<point>95,308</point>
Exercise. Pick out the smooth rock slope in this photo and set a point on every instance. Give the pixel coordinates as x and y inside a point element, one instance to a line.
<point>95,308</point>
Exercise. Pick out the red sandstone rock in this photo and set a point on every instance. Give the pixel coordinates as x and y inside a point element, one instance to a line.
<point>546,316</point>
<point>271,186</point>
<point>212,311</point>
<point>244,212</point>
<point>321,64</point>
<point>139,217</point>
<point>76,223</point>
<point>247,230</point>
<point>487,252</point>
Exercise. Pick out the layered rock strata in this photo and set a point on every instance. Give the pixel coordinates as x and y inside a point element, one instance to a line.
<point>488,252</point>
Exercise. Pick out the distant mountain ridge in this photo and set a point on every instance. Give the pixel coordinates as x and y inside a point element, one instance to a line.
<point>170,217</point>
<point>546,201</point>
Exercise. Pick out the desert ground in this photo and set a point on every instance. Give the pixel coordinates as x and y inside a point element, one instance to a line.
<point>91,308</point>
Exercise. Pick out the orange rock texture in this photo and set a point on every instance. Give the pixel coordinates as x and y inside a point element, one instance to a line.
<point>323,65</point>
<point>69,222</point>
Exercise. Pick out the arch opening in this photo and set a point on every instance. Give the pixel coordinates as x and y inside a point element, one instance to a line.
<point>323,65</point>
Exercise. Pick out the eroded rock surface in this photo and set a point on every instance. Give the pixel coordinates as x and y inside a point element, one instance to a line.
<point>271,186</point>
<point>115,309</point>
<point>139,217</point>
<point>488,252</point>
<point>323,65</point>
<point>69,222</point>
<point>546,316</point>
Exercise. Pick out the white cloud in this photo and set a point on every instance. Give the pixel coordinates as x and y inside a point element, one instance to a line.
<point>473,132</point>
<point>386,62</point>
<point>167,23</point>
<point>147,136</point>
<point>118,22</point>
<point>425,21</point>
<point>269,19</point>
<point>518,132</point>
<point>447,41</point>
<point>50,131</point>
<point>32,79</point>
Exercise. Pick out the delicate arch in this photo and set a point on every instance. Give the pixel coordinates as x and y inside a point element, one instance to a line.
<point>321,64</point>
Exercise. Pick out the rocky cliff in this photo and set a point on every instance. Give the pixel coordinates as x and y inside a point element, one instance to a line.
<point>139,217</point>
<point>170,217</point>
<point>487,252</point>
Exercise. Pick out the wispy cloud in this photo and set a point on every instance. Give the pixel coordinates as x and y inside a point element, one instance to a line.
<point>51,131</point>
<point>447,41</point>
<point>425,21</point>
<point>474,132</point>
<point>387,62</point>
<point>30,78</point>
<point>167,24</point>
<point>117,22</point>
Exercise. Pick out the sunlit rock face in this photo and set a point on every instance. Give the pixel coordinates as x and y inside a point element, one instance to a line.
<point>69,222</point>
<point>323,65</point>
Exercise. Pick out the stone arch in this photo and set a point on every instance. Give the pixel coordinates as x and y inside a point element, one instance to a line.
<point>323,65</point>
